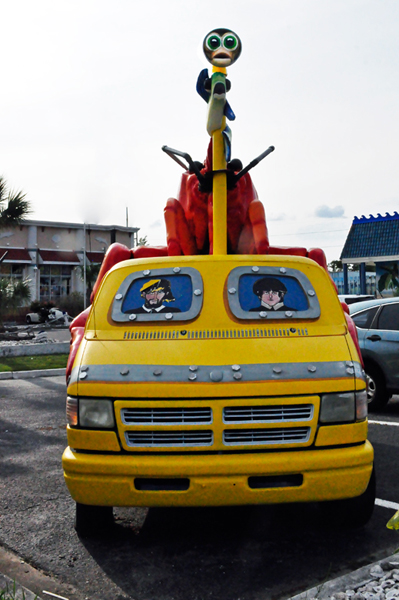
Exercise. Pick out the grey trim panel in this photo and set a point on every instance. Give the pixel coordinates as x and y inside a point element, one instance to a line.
<point>313,312</point>
<point>216,374</point>
<point>198,290</point>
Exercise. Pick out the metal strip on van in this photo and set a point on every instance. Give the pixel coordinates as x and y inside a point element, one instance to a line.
<point>127,373</point>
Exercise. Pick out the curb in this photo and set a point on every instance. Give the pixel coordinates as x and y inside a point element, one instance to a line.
<point>21,592</point>
<point>37,349</point>
<point>352,581</point>
<point>31,374</point>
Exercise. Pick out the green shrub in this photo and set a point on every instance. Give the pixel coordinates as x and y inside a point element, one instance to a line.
<point>72,304</point>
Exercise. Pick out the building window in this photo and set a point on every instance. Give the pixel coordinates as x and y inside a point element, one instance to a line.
<point>55,282</point>
<point>10,271</point>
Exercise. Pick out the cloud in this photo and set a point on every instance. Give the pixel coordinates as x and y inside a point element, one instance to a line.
<point>157,223</point>
<point>325,212</point>
<point>276,217</point>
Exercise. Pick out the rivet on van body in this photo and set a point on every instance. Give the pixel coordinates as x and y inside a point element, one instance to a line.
<point>236,367</point>
<point>255,269</point>
<point>277,370</point>
<point>125,372</point>
<point>147,272</point>
<point>83,376</point>
<point>169,316</point>
<point>118,296</point>
<point>193,368</point>
<point>232,290</point>
<point>312,369</point>
<point>157,372</point>
<point>311,292</point>
<point>132,317</point>
<point>350,371</point>
<point>263,314</point>
<point>192,377</point>
<point>282,270</point>
<point>288,313</point>
<point>349,363</point>
<point>197,292</point>
<point>237,375</point>
<point>216,375</point>
<point>85,368</point>
<point>176,270</point>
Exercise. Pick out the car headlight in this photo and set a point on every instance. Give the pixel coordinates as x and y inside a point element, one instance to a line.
<point>337,408</point>
<point>96,413</point>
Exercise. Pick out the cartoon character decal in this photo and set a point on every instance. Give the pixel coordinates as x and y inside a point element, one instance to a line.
<point>157,294</point>
<point>271,292</point>
<point>267,293</point>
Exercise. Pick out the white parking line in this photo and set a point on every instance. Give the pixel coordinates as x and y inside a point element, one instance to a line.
<point>387,504</point>
<point>383,423</point>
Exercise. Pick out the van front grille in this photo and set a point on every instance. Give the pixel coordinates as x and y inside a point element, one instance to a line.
<point>267,414</point>
<point>283,435</point>
<point>168,438</point>
<point>166,416</point>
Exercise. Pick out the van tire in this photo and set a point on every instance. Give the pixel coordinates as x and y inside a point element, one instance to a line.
<point>92,521</point>
<point>351,513</point>
<point>377,394</point>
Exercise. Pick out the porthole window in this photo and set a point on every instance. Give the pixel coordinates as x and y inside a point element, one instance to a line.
<point>173,294</point>
<point>271,293</point>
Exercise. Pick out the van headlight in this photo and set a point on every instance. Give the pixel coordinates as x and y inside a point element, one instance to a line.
<point>337,408</point>
<point>96,413</point>
<point>343,407</point>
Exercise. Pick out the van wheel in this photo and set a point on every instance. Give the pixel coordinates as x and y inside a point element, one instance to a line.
<point>93,520</point>
<point>377,395</point>
<point>352,512</point>
<point>28,320</point>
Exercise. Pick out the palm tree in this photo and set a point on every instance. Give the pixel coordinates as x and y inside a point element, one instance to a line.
<point>14,208</point>
<point>12,295</point>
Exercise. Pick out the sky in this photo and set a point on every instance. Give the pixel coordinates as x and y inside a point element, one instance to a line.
<point>92,89</point>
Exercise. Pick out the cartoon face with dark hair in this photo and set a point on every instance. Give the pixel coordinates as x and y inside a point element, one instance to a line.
<point>271,292</point>
<point>155,293</point>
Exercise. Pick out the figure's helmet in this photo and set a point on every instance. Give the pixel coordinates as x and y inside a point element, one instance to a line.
<point>158,285</point>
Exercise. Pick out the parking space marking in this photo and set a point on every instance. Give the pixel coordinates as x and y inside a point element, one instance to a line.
<point>386,504</point>
<point>383,423</point>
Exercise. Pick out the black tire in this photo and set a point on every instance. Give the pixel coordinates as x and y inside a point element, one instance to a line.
<point>28,320</point>
<point>93,520</point>
<point>377,394</point>
<point>352,512</point>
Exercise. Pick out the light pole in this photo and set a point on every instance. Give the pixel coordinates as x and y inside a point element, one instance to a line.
<point>84,265</point>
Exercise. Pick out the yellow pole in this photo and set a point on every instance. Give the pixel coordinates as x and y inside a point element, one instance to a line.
<point>219,190</point>
<point>219,196</point>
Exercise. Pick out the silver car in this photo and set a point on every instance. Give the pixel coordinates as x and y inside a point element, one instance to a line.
<point>377,323</point>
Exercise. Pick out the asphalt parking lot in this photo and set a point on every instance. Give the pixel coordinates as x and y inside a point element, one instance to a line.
<point>243,553</point>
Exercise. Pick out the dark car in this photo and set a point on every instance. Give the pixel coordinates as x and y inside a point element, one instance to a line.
<point>377,323</point>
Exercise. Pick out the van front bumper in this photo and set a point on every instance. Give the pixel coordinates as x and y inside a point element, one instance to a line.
<point>218,480</point>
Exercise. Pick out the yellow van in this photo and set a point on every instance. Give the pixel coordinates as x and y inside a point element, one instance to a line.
<point>217,380</point>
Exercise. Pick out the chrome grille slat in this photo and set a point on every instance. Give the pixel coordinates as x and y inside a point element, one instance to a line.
<point>166,416</point>
<point>283,435</point>
<point>267,414</point>
<point>169,438</point>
